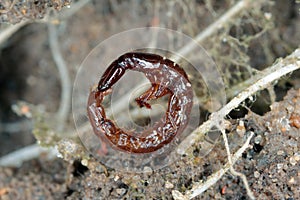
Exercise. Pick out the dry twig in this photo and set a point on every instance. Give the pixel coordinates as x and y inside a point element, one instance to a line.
<point>226,18</point>
<point>231,163</point>
<point>199,188</point>
<point>66,86</point>
<point>281,68</point>
<point>9,31</point>
<point>16,158</point>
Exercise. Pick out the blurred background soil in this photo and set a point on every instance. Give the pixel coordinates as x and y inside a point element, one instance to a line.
<point>28,73</point>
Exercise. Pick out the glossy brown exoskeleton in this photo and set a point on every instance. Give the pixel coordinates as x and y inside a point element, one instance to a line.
<point>166,78</point>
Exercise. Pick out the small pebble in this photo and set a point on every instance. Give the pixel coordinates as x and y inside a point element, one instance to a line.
<point>256,174</point>
<point>240,129</point>
<point>290,152</point>
<point>295,121</point>
<point>293,161</point>
<point>279,165</point>
<point>266,133</point>
<point>227,124</point>
<point>290,108</point>
<point>268,125</point>
<point>297,156</point>
<point>148,170</point>
<point>285,124</point>
<point>292,180</point>
<point>270,175</point>
<point>59,155</point>
<point>84,162</point>
<point>268,15</point>
<point>116,178</point>
<point>257,139</point>
<point>121,191</point>
<point>274,180</point>
<point>280,153</point>
<point>169,185</point>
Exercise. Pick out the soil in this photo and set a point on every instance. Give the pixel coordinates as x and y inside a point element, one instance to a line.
<point>272,167</point>
<point>28,73</point>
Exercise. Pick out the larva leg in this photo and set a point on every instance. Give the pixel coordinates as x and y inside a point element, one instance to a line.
<point>154,92</point>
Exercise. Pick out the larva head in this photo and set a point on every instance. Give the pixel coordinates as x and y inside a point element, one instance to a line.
<point>110,77</point>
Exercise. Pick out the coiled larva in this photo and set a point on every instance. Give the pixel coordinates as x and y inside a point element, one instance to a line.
<point>166,78</point>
